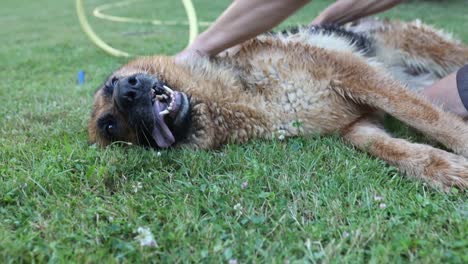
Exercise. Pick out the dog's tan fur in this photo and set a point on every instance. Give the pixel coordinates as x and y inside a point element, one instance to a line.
<point>286,87</point>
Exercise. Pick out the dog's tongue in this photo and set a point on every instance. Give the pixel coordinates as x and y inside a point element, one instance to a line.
<point>161,132</point>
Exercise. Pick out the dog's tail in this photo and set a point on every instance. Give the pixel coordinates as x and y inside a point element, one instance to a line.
<point>417,47</point>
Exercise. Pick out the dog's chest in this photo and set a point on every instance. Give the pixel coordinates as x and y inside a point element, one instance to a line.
<point>299,100</point>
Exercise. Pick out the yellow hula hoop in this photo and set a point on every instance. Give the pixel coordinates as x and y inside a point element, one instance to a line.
<point>99,13</point>
<point>189,10</point>
<point>192,19</point>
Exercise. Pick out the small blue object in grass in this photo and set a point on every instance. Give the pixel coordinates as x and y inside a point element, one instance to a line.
<point>81,77</point>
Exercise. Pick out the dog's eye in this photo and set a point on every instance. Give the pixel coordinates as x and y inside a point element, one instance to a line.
<point>108,126</point>
<point>110,129</point>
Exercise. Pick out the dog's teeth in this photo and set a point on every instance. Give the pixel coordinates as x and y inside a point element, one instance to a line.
<point>169,108</point>
<point>169,90</point>
<point>165,112</point>
<point>161,97</point>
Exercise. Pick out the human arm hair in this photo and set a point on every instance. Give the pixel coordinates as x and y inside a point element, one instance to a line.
<point>344,11</point>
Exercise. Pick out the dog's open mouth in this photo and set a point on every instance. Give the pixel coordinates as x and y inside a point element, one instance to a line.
<point>170,108</point>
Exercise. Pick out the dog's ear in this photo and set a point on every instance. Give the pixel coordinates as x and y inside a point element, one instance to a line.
<point>103,85</point>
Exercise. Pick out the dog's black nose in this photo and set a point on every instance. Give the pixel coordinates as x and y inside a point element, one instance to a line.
<point>133,81</point>
<point>130,89</point>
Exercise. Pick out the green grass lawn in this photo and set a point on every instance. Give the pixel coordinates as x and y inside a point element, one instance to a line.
<point>299,200</point>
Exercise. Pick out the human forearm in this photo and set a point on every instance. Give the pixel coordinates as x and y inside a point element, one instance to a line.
<point>343,11</point>
<point>243,20</point>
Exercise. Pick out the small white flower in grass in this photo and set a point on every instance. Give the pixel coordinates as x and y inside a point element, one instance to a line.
<point>158,154</point>
<point>281,134</point>
<point>137,186</point>
<point>345,234</point>
<point>145,237</point>
<point>378,198</point>
<point>233,261</point>
<point>308,243</point>
<point>238,208</point>
<point>382,206</point>
<point>244,185</point>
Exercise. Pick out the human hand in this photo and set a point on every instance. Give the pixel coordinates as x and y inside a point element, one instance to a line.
<point>231,51</point>
<point>188,55</point>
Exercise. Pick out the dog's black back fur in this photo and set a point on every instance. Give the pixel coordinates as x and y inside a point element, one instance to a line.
<point>362,42</point>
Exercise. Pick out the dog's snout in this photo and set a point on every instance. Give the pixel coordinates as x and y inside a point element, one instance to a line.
<point>131,88</point>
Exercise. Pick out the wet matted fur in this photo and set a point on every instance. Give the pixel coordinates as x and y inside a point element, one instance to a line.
<point>311,80</point>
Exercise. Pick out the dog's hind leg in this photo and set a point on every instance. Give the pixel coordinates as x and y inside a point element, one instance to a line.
<point>391,97</point>
<point>432,165</point>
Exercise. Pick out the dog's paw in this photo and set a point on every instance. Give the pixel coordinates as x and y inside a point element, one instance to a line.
<point>446,170</point>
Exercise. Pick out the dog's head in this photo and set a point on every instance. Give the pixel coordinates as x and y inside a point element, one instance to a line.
<point>136,105</point>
